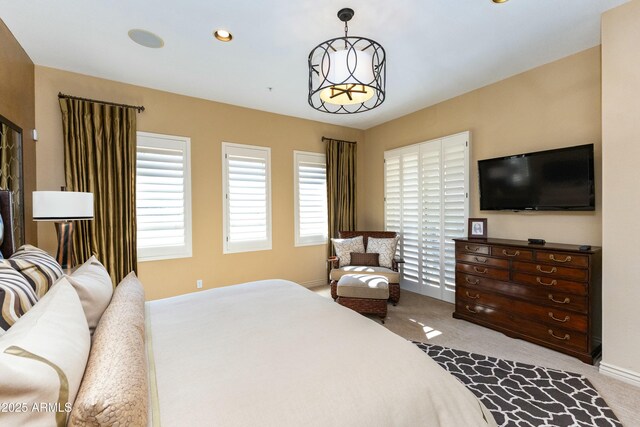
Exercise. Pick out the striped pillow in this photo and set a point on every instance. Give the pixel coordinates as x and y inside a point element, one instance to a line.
<point>16,296</point>
<point>39,268</point>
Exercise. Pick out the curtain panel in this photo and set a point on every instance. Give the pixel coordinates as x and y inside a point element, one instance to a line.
<point>341,187</point>
<point>100,158</point>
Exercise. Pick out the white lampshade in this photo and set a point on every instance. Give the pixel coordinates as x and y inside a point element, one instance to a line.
<point>346,68</point>
<point>62,205</point>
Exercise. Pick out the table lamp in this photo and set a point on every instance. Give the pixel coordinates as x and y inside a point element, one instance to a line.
<point>63,207</point>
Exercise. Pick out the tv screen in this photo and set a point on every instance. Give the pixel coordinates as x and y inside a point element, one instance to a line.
<point>561,179</point>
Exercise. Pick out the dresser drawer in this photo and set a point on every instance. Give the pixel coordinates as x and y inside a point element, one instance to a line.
<point>554,335</point>
<point>485,314</point>
<point>551,284</point>
<point>477,270</point>
<point>553,316</point>
<point>472,248</point>
<point>482,260</point>
<point>527,293</point>
<point>561,258</point>
<point>546,270</point>
<point>513,253</point>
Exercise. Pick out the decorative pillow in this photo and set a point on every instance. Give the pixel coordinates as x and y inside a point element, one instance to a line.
<point>114,390</point>
<point>42,360</point>
<point>37,266</point>
<point>94,287</point>
<point>368,260</point>
<point>344,247</point>
<point>17,296</point>
<point>385,247</point>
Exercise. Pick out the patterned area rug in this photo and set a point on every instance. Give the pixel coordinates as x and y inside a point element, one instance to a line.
<point>518,394</point>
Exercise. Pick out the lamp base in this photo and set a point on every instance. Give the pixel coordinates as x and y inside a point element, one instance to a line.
<point>64,256</point>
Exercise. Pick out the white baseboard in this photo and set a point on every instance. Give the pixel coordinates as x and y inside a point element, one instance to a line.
<point>621,374</point>
<point>314,283</point>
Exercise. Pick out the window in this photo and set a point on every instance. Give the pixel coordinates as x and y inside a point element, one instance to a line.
<point>246,189</point>
<point>163,196</point>
<point>426,200</point>
<point>310,193</point>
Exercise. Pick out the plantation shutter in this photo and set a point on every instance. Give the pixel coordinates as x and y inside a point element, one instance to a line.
<point>455,205</point>
<point>311,194</point>
<point>163,196</point>
<point>247,198</point>
<point>431,160</point>
<point>426,200</point>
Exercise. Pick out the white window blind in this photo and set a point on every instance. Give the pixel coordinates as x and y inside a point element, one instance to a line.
<point>163,196</point>
<point>310,194</point>
<point>247,197</point>
<point>426,200</point>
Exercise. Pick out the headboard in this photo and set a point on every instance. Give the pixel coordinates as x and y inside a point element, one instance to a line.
<point>7,247</point>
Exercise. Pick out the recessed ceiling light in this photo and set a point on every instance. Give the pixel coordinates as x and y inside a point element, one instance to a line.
<point>223,35</point>
<point>500,1</point>
<point>146,38</point>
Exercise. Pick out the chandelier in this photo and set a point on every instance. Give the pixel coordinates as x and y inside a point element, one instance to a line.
<point>346,74</point>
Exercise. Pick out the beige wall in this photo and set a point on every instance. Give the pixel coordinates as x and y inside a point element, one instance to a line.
<point>18,105</point>
<point>208,124</point>
<point>621,213</point>
<point>552,106</point>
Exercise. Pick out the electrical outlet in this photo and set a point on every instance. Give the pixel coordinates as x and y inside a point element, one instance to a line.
<point>199,283</point>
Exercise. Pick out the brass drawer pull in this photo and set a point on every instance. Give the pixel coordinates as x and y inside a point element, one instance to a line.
<point>566,318</point>
<point>480,270</point>
<point>552,283</point>
<point>478,259</point>
<point>565,301</point>
<point>539,268</point>
<point>553,258</point>
<point>475,297</point>
<point>470,310</point>
<point>472,249</point>
<point>566,337</point>
<point>469,281</point>
<point>505,253</point>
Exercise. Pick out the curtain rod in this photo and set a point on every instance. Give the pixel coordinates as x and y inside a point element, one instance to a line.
<point>140,108</point>
<point>338,140</point>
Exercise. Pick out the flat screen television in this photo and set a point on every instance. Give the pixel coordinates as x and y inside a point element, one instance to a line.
<point>553,180</point>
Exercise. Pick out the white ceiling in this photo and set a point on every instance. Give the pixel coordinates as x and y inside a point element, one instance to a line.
<point>436,49</point>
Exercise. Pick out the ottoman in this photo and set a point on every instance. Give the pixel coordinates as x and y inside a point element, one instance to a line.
<point>364,293</point>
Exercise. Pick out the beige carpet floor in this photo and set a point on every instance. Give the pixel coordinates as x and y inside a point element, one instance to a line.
<point>425,319</point>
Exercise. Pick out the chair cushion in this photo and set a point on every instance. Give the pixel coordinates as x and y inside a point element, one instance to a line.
<point>385,247</point>
<point>392,276</point>
<point>344,247</point>
<point>370,260</point>
<point>363,286</point>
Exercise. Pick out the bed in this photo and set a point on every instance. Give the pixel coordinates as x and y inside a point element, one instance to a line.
<point>266,353</point>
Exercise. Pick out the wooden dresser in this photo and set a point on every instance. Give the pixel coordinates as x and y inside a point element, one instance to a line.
<point>546,294</point>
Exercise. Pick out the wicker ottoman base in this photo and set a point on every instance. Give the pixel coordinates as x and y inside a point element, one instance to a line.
<point>394,292</point>
<point>365,305</point>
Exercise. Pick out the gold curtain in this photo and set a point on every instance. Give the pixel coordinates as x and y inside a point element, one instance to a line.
<point>341,187</point>
<point>100,157</point>
<point>5,158</point>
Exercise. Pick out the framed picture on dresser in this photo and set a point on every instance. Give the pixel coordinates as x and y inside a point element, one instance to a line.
<point>477,228</point>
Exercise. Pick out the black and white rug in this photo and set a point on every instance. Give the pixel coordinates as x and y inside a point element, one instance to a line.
<point>518,394</point>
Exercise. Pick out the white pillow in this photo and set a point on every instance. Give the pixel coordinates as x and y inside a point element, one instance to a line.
<point>344,247</point>
<point>42,360</point>
<point>385,247</point>
<point>94,287</point>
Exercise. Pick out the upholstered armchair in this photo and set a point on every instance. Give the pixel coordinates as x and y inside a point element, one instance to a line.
<point>390,270</point>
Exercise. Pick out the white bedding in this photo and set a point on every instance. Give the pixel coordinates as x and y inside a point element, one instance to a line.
<point>272,353</point>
